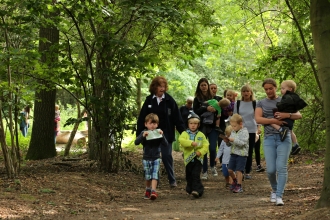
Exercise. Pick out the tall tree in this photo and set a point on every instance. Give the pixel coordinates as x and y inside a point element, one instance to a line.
<point>42,143</point>
<point>320,23</point>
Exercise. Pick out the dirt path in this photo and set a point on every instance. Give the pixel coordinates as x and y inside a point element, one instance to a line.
<point>48,191</point>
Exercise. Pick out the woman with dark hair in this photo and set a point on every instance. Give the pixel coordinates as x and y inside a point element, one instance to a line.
<point>161,103</point>
<point>202,94</point>
<point>276,151</point>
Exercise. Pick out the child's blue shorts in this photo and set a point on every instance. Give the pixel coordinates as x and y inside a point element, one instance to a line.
<point>151,169</point>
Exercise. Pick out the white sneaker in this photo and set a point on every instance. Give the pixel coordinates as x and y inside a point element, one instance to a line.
<point>279,201</point>
<point>204,176</point>
<point>214,171</point>
<point>273,197</point>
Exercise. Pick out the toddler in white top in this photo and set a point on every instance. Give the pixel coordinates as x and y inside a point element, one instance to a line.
<point>225,151</point>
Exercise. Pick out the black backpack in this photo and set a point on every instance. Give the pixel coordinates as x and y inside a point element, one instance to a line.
<point>254,103</point>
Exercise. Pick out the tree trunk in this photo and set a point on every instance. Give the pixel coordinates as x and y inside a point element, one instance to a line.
<point>320,23</point>
<point>42,143</point>
<point>73,132</point>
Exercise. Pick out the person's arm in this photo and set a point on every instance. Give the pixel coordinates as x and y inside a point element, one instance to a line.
<point>184,140</point>
<point>140,122</point>
<point>221,149</point>
<point>265,121</point>
<point>205,147</point>
<point>178,121</point>
<point>199,109</point>
<point>284,115</point>
<point>139,139</point>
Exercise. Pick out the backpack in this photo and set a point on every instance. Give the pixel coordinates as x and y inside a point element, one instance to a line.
<point>254,103</point>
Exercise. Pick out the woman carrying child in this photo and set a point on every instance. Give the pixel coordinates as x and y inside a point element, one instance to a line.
<point>202,94</point>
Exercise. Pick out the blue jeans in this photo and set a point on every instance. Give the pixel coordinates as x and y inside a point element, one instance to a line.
<point>168,162</point>
<point>213,138</point>
<point>277,154</point>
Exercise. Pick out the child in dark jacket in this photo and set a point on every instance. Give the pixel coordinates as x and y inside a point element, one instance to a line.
<point>152,140</point>
<point>290,103</point>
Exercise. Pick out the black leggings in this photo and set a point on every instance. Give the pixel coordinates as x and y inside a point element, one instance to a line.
<point>252,137</point>
<point>257,151</point>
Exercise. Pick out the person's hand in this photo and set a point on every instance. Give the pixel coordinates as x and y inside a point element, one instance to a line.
<point>231,139</point>
<point>216,159</point>
<point>198,153</point>
<point>281,115</point>
<point>194,144</point>
<point>145,134</point>
<point>160,131</point>
<point>210,109</point>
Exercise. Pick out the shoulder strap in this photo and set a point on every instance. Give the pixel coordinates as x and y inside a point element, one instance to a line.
<point>254,103</point>
<point>237,105</point>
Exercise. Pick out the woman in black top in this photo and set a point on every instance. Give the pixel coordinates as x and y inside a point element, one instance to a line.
<point>161,103</point>
<point>202,94</point>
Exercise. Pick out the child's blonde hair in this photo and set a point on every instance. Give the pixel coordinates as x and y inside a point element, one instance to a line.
<point>232,92</point>
<point>152,117</point>
<point>223,103</point>
<point>228,130</point>
<point>193,120</point>
<point>57,107</point>
<point>236,118</point>
<point>291,84</point>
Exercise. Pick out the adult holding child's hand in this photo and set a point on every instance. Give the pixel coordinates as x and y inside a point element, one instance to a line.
<point>161,103</point>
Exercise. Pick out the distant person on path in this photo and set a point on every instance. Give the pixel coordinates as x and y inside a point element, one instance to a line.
<point>186,109</point>
<point>24,120</point>
<point>57,121</point>
<point>239,142</point>
<point>276,151</point>
<point>195,146</point>
<point>164,106</point>
<point>202,94</point>
<point>151,154</point>
<point>224,151</point>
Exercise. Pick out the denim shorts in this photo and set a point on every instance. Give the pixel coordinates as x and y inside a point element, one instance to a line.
<point>151,169</point>
<point>237,162</point>
<point>225,170</point>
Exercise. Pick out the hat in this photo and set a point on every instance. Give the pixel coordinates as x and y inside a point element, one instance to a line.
<point>193,115</point>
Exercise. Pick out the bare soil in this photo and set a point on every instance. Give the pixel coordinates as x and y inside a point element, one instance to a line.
<point>56,189</point>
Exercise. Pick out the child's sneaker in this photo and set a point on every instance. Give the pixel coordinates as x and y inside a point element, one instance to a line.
<point>214,171</point>
<point>248,176</point>
<point>233,185</point>
<point>195,194</point>
<point>147,194</point>
<point>295,149</point>
<point>260,169</point>
<point>238,189</point>
<point>228,185</point>
<point>153,195</point>
<point>283,131</point>
<point>204,176</point>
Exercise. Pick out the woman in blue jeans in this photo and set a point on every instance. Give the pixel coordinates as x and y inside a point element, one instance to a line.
<point>202,94</point>
<point>276,151</point>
